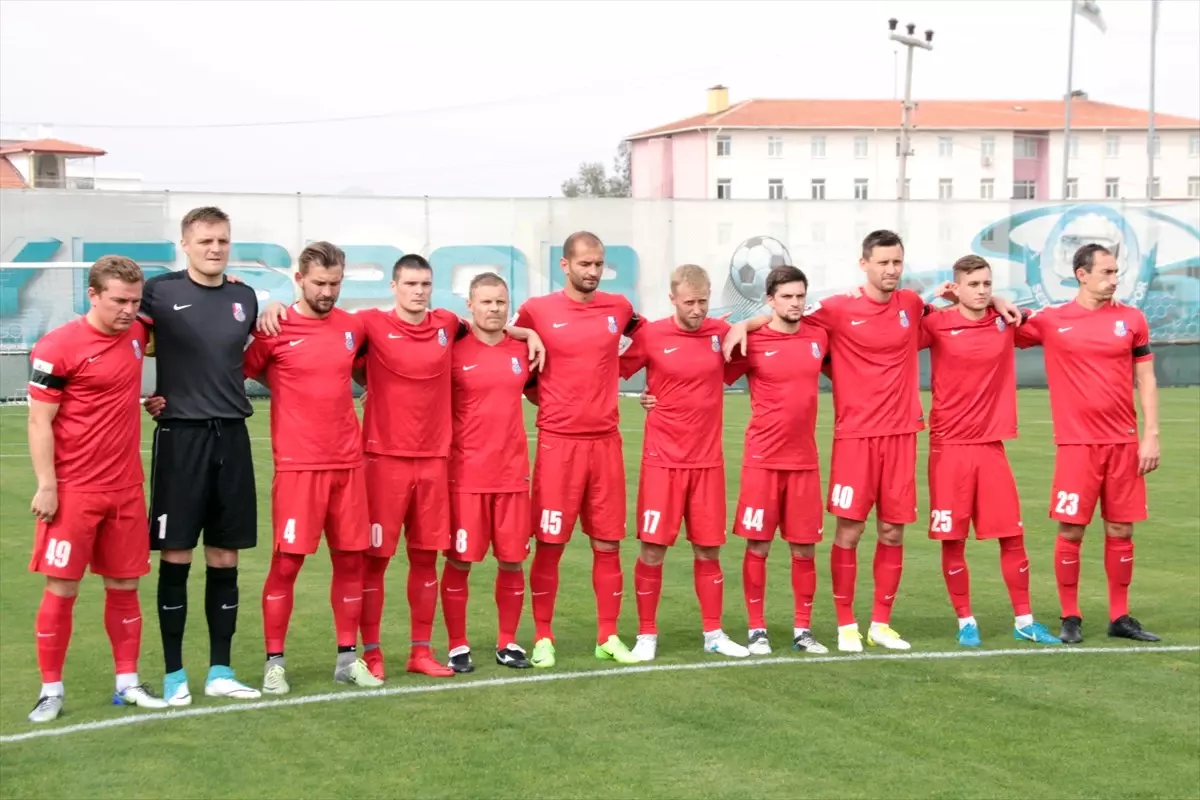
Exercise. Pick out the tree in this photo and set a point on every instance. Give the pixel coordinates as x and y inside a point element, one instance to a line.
<point>594,181</point>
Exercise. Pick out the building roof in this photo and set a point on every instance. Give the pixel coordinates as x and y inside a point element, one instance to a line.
<point>1014,115</point>
<point>57,146</point>
<point>9,177</point>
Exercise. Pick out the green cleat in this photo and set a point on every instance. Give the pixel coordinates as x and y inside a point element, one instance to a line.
<point>614,649</point>
<point>543,654</point>
<point>356,673</point>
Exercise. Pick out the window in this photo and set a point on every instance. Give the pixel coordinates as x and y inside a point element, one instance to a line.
<point>945,189</point>
<point>1072,189</point>
<point>1024,190</point>
<point>1194,186</point>
<point>860,188</point>
<point>1153,189</point>
<point>724,146</point>
<point>945,147</point>
<point>818,189</point>
<point>775,189</point>
<point>1194,145</point>
<point>1073,146</point>
<point>1112,145</point>
<point>987,147</point>
<point>1025,147</point>
<point>775,147</point>
<point>724,189</point>
<point>818,147</point>
<point>861,146</point>
<point>987,189</point>
<point>1112,188</point>
<point>989,235</point>
<point>1155,145</point>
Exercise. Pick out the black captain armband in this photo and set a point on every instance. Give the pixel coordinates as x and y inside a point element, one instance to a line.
<point>43,377</point>
<point>927,309</point>
<point>531,383</point>
<point>1141,351</point>
<point>634,321</point>
<point>463,330</point>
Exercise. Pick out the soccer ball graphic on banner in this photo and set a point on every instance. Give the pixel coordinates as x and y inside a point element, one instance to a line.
<point>751,262</point>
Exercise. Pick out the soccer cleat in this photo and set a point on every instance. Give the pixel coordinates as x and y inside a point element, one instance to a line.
<point>807,643</point>
<point>48,708</point>
<point>849,639</point>
<point>357,674</point>
<point>721,644</point>
<point>140,695</point>
<point>613,649</point>
<point>543,654</point>
<point>460,660</point>
<point>175,689</point>
<point>1036,633</point>
<point>513,656</point>
<point>1126,627</point>
<point>221,683</point>
<point>275,679</point>
<point>1072,630</point>
<point>759,644</point>
<point>646,646</point>
<point>423,663</point>
<point>374,660</point>
<point>968,635</point>
<point>883,636</point>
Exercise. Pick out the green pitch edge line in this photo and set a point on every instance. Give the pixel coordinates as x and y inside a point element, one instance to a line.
<point>459,685</point>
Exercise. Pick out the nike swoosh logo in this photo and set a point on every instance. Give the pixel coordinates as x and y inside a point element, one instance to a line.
<point>1126,559</point>
<point>276,596</point>
<point>395,335</point>
<point>298,341</point>
<point>473,366</point>
<point>561,324</point>
<point>770,353</point>
<point>857,321</point>
<point>181,308</point>
<point>171,608</point>
<point>453,590</point>
<point>431,583</point>
<point>45,635</point>
<point>129,621</point>
<point>956,571</point>
<point>351,599</point>
<point>1069,563</point>
<point>1064,330</point>
<point>643,594</point>
<point>93,358</point>
<point>955,333</point>
<point>228,608</point>
<point>670,350</point>
<point>1025,568</point>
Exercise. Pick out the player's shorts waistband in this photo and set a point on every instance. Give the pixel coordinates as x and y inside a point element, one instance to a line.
<point>580,437</point>
<point>215,423</point>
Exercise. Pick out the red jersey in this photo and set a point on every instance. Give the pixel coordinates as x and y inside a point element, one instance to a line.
<point>876,371</point>
<point>407,412</point>
<point>96,381</point>
<point>783,371</point>
<point>974,377</point>
<point>1089,368</point>
<point>307,368</point>
<point>684,371</point>
<point>577,390</point>
<point>490,450</point>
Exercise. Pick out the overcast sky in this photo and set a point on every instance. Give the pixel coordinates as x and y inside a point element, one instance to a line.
<point>506,98</point>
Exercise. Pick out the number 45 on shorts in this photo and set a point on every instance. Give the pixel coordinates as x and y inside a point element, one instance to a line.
<point>551,522</point>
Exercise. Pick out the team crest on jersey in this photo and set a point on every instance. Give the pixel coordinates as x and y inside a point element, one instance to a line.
<point>1001,324</point>
<point>716,343</point>
<point>904,318</point>
<point>239,313</point>
<point>350,341</point>
<point>816,349</point>
<point>442,336</point>
<point>612,324</point>
<point>516,365</point>
<point>1119,328</point>
<point>137,350</point>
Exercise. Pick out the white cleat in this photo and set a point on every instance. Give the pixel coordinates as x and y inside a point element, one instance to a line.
<point>807,643</point>
<point>140,695</point>
<point>221,683</point>
<point>646,647</point>
<point>48,708</point>
<point>883,636</point>
<point>274,679</point>
<point>849,639</point>
<point>719,642</point>
<point>758,645</point>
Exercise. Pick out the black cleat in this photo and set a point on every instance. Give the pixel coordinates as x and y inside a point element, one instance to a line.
<point>512,657</point>
<point>1126,627</point>
<point>1072,630</point>
<point>461,662</point>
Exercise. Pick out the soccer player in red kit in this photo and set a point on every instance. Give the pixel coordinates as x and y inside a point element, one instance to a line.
<point>315,438</point>
<point>489,473</point>
<point>579,472</point>
<point>781,477</point>
<point>85,439</point>
<point>1096,352</point>
<point>683,463</point>
<point>970,480</point>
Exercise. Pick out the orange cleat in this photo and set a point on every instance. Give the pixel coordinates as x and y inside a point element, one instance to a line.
<point>422,662</point>
<point>374,659</point>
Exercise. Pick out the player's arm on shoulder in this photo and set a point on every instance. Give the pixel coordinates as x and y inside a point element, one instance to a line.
<point>632,354</point>
<point>736,367</point>
<point>735,337</point>
<point>1030,333</point>
<point>269,321</point>
<point>537,349</point>
<point>257,356</point>
<point>146,307</point>
<point>927,332</point>
<point>524,318</point>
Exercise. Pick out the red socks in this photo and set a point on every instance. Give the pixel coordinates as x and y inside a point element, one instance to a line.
<point>1014,566</point>
<point>1066,572</point>
<point>123,621</point>
<point>804,586</point>
<point>346,595</point>
<point>958,577</point>
<point>372,597</point>
<point>422,596</point>
<point>754,586</point>
<point>277,598</point>
<point>543,583</point>
<point>647,582</point>
<point>454,602</point>
<point>510,596</point>
<point>1118,565</point>
<point>53,631</point>
<point>889,563</point>
<point>843,565</point>
<point>710,591</point>
<point>608,582</point>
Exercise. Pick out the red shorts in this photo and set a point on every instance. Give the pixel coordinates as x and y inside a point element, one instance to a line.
<point>789,499</point>
<point>668,497</point>
<point>501,520</point>
<point>1085,473</point>
<point>879,471</point>
<point>972,483</point>
<point>304,503</point>
<point>578,479</point>
<point>409,492</point>
<point>106,530</point>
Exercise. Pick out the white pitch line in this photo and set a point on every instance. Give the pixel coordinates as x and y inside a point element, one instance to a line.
<point>334,697</point>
